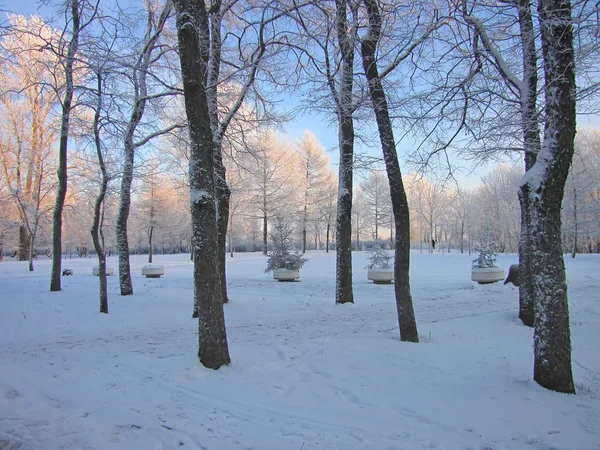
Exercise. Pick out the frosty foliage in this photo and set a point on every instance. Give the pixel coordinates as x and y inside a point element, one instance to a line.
<point>487,256</point>
<point>379,258</point>
<point>280,257</point>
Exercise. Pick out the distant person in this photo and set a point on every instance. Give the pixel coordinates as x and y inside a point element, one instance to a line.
<point>433,243</point>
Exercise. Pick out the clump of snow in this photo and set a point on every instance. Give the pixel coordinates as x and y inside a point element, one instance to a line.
<point>305,373</point>
<point>198,195</point>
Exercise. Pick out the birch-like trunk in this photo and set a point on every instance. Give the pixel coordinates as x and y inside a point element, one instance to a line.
<point>404,304</point>
<point>62,149</point>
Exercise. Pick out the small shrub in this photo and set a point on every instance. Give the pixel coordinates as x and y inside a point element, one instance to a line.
<point>280,257</point>
<point>379,258</point>
<point>487,256</point>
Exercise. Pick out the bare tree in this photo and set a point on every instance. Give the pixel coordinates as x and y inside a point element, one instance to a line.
<point>545,182</point>
<point>75,10</point>
<point>376,192</point>
<point>194,42</point>
<point>369,46</point>
<point>314,166</point>
<point>28,131</point>
<point>96,230</point>
<point>270,165</point>
<point>148,56</point>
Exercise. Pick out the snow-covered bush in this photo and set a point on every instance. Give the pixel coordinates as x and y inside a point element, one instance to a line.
<point>379,258</point>
<point>280,257</point>
<point>487,256</point>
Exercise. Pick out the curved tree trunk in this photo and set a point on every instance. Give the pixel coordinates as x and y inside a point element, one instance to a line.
<point>122,218</point>
<point>404,304</point>
<point>140,72</point>
<point>96,230</point>
<point>62,150</point>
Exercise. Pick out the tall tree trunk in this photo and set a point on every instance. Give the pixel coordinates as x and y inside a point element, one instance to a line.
<point>24,244</point>
<point>552,336</point>
<point>125,284</point>
<point>404,304</point>
<point>304,219</point>
<point>265,242</point>
<point>193,36</point>
<point>531,137</point>
<point>140,72</point>
<point>223,196</point>
<point>327,238</point>
<point>62,149</point>
<point>96,230</point>
<point>343,259</point>
<point>31,251</point>
<point>150,243</point>
<point>575,223</point>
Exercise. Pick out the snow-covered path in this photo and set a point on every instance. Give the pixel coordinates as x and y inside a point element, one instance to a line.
<point>305,374</point>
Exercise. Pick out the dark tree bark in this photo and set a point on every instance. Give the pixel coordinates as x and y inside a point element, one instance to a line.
<point>404,304</point>
<point>546,179</point>
<point>193,35</point>
<point>575,222</point>
<point>96,229</point>
<point>24,243</point>
<point>265,225</point>
<point>527,88</point>
<point>531,138</point>
<point>150,244</point>
<point>62,149</point>
<point>121,225</point>
<point>343,257</point>
<point>222,195</point>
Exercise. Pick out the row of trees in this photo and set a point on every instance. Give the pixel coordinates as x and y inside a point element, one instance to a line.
<point>449,75</point>
<point>454,217</point>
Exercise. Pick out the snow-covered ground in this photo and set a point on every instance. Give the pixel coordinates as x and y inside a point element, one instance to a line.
<point>305,374</point>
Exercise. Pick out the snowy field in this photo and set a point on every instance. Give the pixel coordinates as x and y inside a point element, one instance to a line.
<point>305,374</point>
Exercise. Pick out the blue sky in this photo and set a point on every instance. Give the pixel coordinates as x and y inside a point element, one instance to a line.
<point>321,125</point>
<point>318,123</point>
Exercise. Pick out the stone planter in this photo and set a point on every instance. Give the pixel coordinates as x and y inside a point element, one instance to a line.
<point>485,275</point>
<point>153,271</point>
<point>109,270</point>
<point>286,275</point>
<point>379,275</point>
